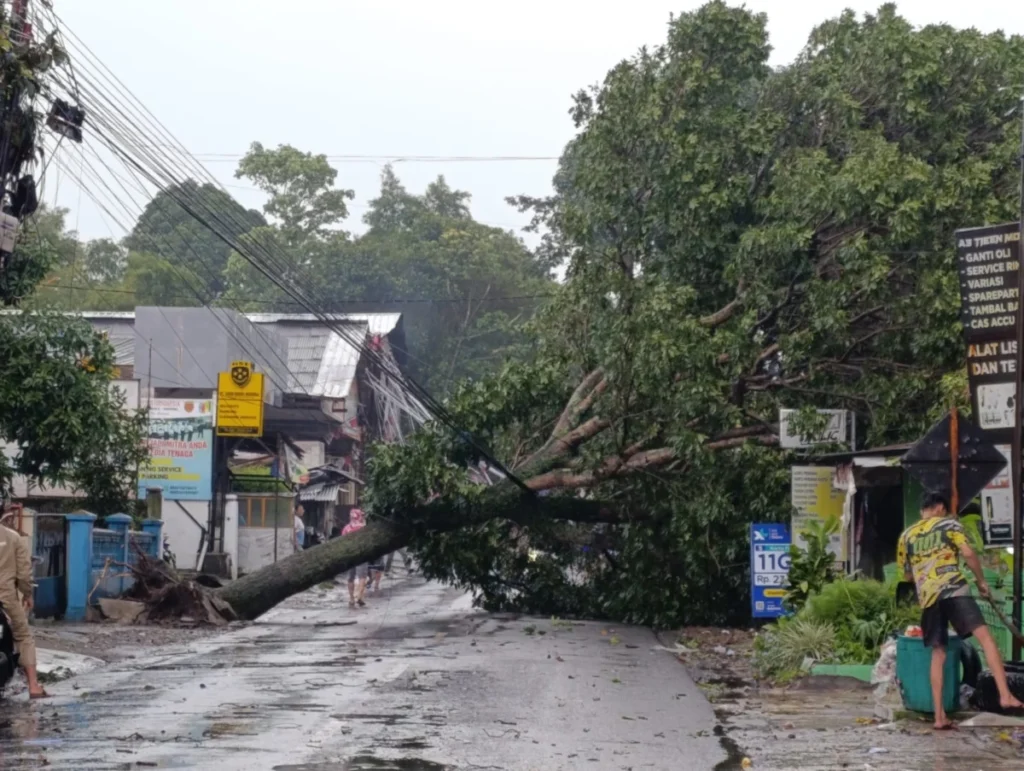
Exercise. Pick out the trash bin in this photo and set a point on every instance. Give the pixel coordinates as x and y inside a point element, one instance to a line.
<point>913,667</point>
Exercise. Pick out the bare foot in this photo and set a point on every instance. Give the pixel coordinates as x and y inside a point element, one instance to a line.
<point>1010,702</point>
<point>944,725</point>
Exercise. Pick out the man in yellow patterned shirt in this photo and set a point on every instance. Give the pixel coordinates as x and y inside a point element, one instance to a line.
<point>929,552</point>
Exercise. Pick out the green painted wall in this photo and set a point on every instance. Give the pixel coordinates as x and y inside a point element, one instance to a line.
<point>912,493</point>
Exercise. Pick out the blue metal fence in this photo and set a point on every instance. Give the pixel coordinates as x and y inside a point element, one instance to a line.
<point>108,557</point>
<point>114,550</point>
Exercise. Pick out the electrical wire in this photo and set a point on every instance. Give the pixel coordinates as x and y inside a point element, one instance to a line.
<point>152,170</point>
<point>347,301</point>
<point>157,243</point>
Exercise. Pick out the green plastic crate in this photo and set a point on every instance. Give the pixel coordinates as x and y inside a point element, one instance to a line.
<point>913,668</point>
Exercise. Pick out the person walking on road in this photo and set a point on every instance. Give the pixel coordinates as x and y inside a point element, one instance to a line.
<point>15,578</point>
<point>406,560</point>
<point>357,576</point>
<point>300,529</point>
<point>928,552</point>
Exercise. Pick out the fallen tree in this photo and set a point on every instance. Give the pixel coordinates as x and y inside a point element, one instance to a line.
<point>544,470</point>
<point>738,239</point>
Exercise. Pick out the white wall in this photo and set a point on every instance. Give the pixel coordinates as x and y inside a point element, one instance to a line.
<point>182,534</point>
<point>256,546</point>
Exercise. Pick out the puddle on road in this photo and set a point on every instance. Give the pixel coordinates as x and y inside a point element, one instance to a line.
<point>370,763</point>
<point>391,719</point>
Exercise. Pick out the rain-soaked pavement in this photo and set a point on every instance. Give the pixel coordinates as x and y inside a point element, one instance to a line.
<point>417,682</point>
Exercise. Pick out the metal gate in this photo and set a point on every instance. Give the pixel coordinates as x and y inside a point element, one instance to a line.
<point>50,565</point>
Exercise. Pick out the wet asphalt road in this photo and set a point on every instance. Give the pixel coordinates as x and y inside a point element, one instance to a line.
<point>417,682</point>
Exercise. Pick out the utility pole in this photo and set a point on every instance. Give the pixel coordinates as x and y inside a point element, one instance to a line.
<point>1016,453</point>
<point>21,36</point>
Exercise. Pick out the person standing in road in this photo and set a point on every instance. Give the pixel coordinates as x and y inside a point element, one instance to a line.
<point>406,560</point>
<point>928,552</point>
<point>15,577</point>
<point>356,576</point>
<point>300,529</point>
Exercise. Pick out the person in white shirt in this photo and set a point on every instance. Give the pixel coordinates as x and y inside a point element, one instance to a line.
<point>300,529</point>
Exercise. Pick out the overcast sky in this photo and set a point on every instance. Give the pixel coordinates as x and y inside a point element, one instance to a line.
<point>403,77</point>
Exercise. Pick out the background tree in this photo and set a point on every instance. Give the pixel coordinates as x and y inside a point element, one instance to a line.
<point>461,285</point>
<point>301,198</point>
<point>176,234</point>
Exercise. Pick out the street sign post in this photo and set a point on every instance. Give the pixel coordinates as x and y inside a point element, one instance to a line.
<point>769,569</point>
<point>240,401</point>
<point>991,287</point>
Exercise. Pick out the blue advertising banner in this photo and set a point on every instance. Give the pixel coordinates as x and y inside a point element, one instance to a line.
<point>769,569</point>
<point>180,449</point>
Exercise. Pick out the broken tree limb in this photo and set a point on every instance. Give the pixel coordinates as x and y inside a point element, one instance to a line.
<point>581,399</point>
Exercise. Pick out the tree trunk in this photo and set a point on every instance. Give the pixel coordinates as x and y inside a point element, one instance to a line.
<point>253,595</point>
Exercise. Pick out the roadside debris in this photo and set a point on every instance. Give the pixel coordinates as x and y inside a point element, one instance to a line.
<point>170,598</point>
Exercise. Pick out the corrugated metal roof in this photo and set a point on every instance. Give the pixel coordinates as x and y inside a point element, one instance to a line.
<point>377,323</point>
<point>326,493</point>
<point>322,363</point>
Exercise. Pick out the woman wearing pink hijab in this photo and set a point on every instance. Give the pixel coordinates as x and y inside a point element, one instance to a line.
<point>356,576</point>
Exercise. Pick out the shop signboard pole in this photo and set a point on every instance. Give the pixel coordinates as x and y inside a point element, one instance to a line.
<point>990,292</point>
<point>1016,457</point>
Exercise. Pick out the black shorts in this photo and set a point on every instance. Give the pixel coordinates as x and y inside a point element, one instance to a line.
<point>962,613</point>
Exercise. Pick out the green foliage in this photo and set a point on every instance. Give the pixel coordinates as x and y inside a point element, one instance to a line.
<point>170,232</point>
<point>864,614</point>
<point>811,568</point>
<point>106,470</point>
<point>740,239</point>
<point>424,248</point>
<point>42,246</point>
<point>781,649</point>
<point>300,188</point>
<point>58,413</point>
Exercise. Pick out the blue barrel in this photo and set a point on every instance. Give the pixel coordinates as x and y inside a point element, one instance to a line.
<point>913,668</point>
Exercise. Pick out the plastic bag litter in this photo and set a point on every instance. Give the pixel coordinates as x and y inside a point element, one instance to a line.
<point>885,667</point>
<point>966,697</point>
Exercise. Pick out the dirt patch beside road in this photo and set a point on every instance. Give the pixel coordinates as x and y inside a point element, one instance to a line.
<point>822,723</point>
<point>113,642</point>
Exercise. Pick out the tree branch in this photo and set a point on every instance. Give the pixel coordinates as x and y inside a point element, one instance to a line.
<point>581,400</point>
<point>768,440</point>
<point>722,315</point>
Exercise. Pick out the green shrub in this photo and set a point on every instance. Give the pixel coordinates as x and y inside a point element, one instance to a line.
<point>780,650</point>
<point>841,600</point>
<point>811,568</point>
<point>864,614</point>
